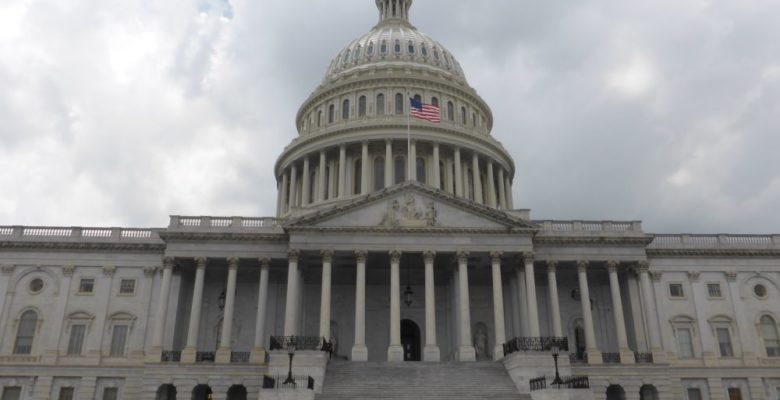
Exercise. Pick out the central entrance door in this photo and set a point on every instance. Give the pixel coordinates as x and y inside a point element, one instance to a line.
<point>410,340</point>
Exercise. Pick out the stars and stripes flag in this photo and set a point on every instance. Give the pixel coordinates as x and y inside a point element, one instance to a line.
<point>424,111</point>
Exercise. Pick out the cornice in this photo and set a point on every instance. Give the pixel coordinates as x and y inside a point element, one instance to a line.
<point>82,246</point>
<point>713,252</point>
<point>632,241</point>
<point>383,229</point>
<point>225,236</point>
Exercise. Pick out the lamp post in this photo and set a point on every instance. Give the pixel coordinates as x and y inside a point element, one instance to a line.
<point>556,351</point>
<point>291,352</point>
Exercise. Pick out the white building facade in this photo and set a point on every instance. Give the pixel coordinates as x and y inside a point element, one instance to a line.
<point>392,248</point>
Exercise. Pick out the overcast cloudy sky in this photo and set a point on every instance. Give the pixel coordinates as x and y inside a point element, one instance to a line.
<point>122,112</point>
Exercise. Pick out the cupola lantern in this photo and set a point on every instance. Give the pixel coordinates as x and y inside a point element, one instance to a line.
<point>393,9</point>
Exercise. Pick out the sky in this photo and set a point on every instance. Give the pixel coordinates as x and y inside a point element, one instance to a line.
<point>122,112</point>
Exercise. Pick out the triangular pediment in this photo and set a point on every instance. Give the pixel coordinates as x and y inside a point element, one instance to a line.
<point>411,206</point>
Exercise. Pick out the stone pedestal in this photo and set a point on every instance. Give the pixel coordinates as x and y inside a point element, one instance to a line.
<point>395,353</point>
<point>188,355</point>
<point>257,356</point>
<point>360,353</point>
<point>431,354</point>
<point>627,356</point>
<point>467,353</point>
<point>222,356</point>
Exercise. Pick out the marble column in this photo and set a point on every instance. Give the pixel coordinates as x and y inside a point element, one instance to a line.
<point>530,289</point>
<point>224,350</point>
<point>321,189</point>
<point>291,304</point>
<point>501,189</point>
<point>190,350</point>
<point>510,203</point>
<point>293,187</point>
<point>626,355</point>
<point>498,306</point>
<point>651,315</point>
<point>431,351</point>
<point>342,171</point>
<point>306,194</point>
<point>285,206</point>
<point>388,163</point>
<point>258,350</point>
<point>522,299</point>
<point>466,351</point>
<point>395,351</point>
<point>364,163</point>
<point>555,306</point>
<point>591,349</point>
<point>162,310</point>
<point>436,167</point>
<point>359,350</point>
<point>458,174</point>
<point>478,195</point>
<point>327,260</point>
<point>51,341</point>
<point>412,161</point>
<point>491,186</point>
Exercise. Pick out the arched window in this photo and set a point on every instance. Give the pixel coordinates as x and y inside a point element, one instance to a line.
<point>399,104</point>
<point>436,54</point>
<point>397,47</point>
<point>463,115</point>
<point>166,392</point>
<point>380,104</point>
<point>26,332</point>
<point>331,113</point>
<point>399,169</point>
<point>356,54</point>
<point>423,50</point>
<point>771,339</point>
<point>450,111</point>
<point>346,57</point>
<point>421,170</point>
<point>411,47</point>
<point>379,173</point>
<point>435,101</point>
<point>357,184</point>
<point>474,120</point>
<point>370,50</point>
<point>319,118</point>
<point>345,109</point>
<point>237,392</point>
<point>615,392</point>
<point>362,106</point>
<point>383,47</point>
<point>418,98</point>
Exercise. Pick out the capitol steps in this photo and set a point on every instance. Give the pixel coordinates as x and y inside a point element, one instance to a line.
<point>418,381</point>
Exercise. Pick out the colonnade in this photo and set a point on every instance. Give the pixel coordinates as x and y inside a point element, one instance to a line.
<point>524,269</point>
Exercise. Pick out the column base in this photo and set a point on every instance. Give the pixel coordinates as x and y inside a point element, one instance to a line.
<point>395,353</point>
<point>467,353</point>
<point>223,356</point>
<point>359,353</point>
<point>659,356</point>
<point>188,355</point>
<point>431,353</point>
<point>627,356</point>
<point>594,357</point>
<point>257,356</point>
<point>154,355</point>
<point>498,352</point>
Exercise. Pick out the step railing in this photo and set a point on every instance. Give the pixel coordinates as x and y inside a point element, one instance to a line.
<point>295,343</point>
<point>536,344</point>
<point>564,382</point>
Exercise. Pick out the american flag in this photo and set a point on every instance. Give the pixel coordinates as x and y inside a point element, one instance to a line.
<point>425,111</point>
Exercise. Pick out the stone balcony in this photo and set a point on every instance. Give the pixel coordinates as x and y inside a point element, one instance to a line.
<point>589,228</point>
<point>206,224</point>
<point>82,237</point>
<point>720,244</point>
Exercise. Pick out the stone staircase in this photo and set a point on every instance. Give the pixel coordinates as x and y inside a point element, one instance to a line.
<point>418,381</point>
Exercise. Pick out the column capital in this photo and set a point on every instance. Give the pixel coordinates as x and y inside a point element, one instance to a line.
<point>429,256</point>
<point>8,270</point>
<point>67,270</point>
<point>361,255</point>
<point>463,256</point>
<point>293,255</point>
<point>582,265</point>
<point>694,276</point>
<point>528,257</point>
<point>232,262</point>
<point>168,262</point>
<point>395,256</point>
<point>148,271</point>
<point>656,275</point>
<point>643,267</point>
<point>201,262</point>
<point>327,255</point>
<point>731,276</point>
<point>612,266</point>
<point>109,270</point>
<point>552,266</point>
<point>495,257</point>
<point>265,262</point>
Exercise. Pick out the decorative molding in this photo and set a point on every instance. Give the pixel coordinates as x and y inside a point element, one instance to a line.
<point>612,266</point>
<point>429,256</point>
<point>149,271</point>
<point>693,276</point>
<point>643,266</point>
<point>731,276</point>
<point>201,261</point>
<point>109,271</point>
<point>8,270</point>
<point>582,265</point>
<point>622,241</point>
<point>361,256</point>
<point>225,236</point>
<point>233,262</point>
<point>656,275</point>
<point>83,246</point>
<point>528,257</point>
<point>67,270</point>
<point>552,266</point>
<point>168,262</point>
<point>714,252</point>
<point>495,257</point>
<point>265,262</point>
<point>294,255</point>
<point>327,256</point>
<point>395,256</point>
<point>462,256</point>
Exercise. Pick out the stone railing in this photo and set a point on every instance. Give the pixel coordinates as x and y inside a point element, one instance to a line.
<point>589,227</point>
<point>78,233</point>
<point>179,222</point>
<point>685,241</point>
<point>562,382</point>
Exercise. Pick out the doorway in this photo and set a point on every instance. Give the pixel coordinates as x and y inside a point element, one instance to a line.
<point>201,392</point>
<point>410,340</point>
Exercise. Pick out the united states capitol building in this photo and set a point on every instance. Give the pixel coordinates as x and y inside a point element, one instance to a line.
<point>397,266</point>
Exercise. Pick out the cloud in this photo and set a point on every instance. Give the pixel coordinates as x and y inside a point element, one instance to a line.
<point>120,113</point>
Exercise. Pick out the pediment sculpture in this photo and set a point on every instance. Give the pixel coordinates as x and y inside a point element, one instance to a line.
<point>409,214</point>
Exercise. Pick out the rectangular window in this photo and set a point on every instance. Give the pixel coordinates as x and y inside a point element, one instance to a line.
<point>127,286</point>
<point>87,285</point>
<point>110,394</point>
<point>76,340</point>
<point>118,340</point>
<point>724,342</point>
<point>12,393</point>
<point>66,393</point>
<point>713,289</point>
<point>676,290</point>
<point>684,343</point>
<point>735,394</point>
<point>694,394</point>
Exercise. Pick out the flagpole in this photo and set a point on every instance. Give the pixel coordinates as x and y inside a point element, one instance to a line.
<point>409,138</point>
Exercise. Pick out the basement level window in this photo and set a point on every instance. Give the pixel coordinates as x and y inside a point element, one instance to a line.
<point>713,290</point>
<point>87,285</point>
<point>676,290</point>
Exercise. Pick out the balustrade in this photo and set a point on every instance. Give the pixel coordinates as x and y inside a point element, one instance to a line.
<point>535,344</point>
<point>567,382</point>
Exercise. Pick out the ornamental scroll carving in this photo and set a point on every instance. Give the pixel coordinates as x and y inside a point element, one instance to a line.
<point>409,214</point>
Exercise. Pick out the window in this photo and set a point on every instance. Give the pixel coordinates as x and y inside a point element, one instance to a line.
<point>25,334</point>
<point>694,394</point>
<point>760,291</point>
<point>436,54</point>
<point>423,50</point>
<point>463,115</point>
<point>345,109</point>
<point>676,290</point>
<point>312,187</point>
<point>356,54</point>
<point>66,393</point>
<point>769,332</point>
<point>326,189</point>
<point>735,394</point>
<point>379,173</point>
<point>383,47</point>
<point>435,101</point>
<point>127,286</point>
<point>362,106</point>
<point>346,57</point>
<point>399,104</point>
<point>724,342</point>
<point>397,47</point>
<point>450,111</point>
<point>418,98</point>
<point>684,343</point>
<point>420,170</point>
<point>358,176</point>
<point>87,285</point>
<point>473,120</point>
<point>36,285</point>
<point>380,104</point>
<point>331,113</point>
<point>411,47</point>
<point>713,289</point>
<point>118,340</point>
<point>470,183</point>
<point>76,341</point>
<point>12,393</point>
<point>319,118</point>
<point>110,394</point>
<point>399,168</point>
<point>370,51</point>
